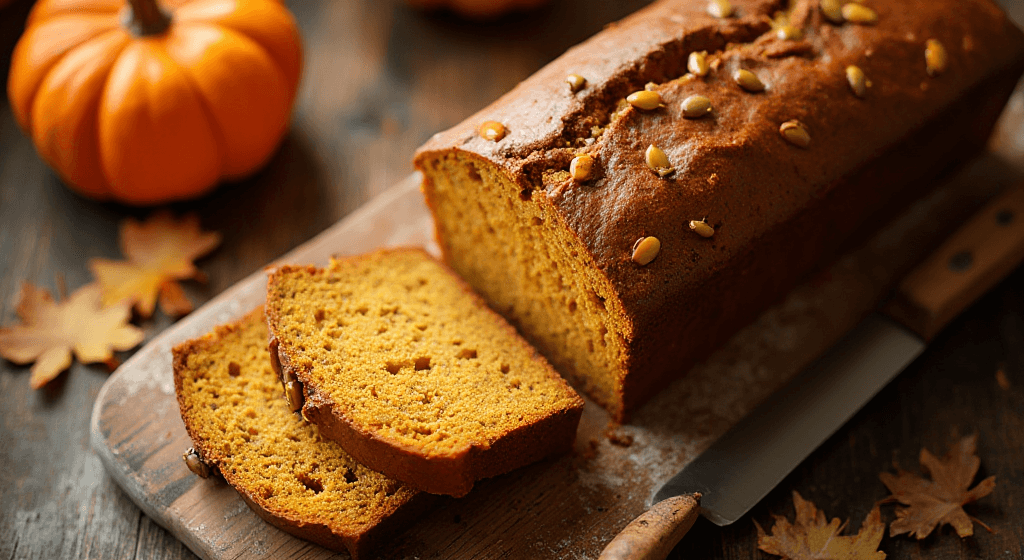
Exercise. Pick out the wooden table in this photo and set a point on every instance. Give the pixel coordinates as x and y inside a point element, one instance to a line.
<point>379,80</point>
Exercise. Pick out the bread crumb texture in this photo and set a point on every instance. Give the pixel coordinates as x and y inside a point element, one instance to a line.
<point>408,354</point>
<point>232,405</point>
<point>531,269</point>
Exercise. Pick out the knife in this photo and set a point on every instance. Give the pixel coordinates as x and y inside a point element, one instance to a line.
<point>743,465</point>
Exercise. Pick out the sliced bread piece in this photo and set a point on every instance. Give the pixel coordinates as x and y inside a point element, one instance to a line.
<point>405,367</point>
<point>241,426</point>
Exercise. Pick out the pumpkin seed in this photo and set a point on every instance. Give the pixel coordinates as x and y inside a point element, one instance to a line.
<point>858,82</point>
<point>789,33</point>
<point>646,100</point>
<point>795,133</point>
<point>720,8</point>
<point>832,10</point>
<point>935,57</point>
<point>859,13</point>
<point>696,106</point>
<point>580,167</point>
<point>576,82</point>
<point>651,86</point>
<point>686,78</point>
<point>702,228</point>
<point>293,389</point>
<point>697,63</point>
<point>195,464</point>
<point>492,130</point>
<point>657,161</point>
<point>645,250</point>
<point>275,358</point>
<point>286,375</point>
<point>748,80</point>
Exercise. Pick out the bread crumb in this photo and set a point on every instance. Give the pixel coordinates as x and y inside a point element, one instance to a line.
<point>616,437</point>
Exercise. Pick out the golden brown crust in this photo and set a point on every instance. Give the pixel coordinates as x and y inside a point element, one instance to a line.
<point>450,473</point>
<point>734,167</point>
<point>358,540</point>
<point>358,545</point>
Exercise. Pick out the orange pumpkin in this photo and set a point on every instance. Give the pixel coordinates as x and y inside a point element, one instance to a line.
<point>145,103</point>
<point>477,9</point>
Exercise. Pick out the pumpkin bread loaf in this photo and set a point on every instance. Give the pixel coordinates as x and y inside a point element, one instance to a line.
<point>638,200</point>
<point>405,367</point>
<point>231,403</point>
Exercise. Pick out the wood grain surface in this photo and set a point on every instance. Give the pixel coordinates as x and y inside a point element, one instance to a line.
<point>379,80</point>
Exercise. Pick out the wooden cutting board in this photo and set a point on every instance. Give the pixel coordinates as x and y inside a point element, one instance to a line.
<point>568,507</point>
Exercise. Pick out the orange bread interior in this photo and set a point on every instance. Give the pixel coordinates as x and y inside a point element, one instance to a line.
<point>530,268</point>
<point>411,372</point>
<point>232,406</point>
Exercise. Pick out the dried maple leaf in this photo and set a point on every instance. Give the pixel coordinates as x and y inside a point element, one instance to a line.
<point>938,501</point>
<point>50,331</point>
<point>160,251</point>
<point>809,537</point>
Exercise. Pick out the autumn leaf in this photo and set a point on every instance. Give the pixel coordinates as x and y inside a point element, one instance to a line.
<point>160,251</point>
<point>50,331</point>
<point>938,501</point>
<point>811,538</point>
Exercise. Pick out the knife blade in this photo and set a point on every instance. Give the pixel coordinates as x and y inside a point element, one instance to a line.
<point>728,478</point>
<point>743,465</point>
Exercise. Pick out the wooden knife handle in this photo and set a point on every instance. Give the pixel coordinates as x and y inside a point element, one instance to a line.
<point>656,532</point>
<point>980,253</point>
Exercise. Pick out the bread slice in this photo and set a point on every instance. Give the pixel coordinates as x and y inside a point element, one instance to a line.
<point>231,403</point>
<point>412,374</point>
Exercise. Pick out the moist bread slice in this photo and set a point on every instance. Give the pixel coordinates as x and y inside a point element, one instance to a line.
<point>231,403</point>
<point>405,367</point>
<point>855,120</point>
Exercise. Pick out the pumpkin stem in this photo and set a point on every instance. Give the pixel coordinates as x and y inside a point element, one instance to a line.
<point>145,17</point>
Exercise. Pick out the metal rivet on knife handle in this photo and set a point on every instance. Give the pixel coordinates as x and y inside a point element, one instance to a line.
<point>961,261</point>
<point>656,532</point>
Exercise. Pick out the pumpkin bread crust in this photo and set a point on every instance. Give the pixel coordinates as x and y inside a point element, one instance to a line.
<point>550,244</point>
<point>406,368</point>
<point>241,427</point>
